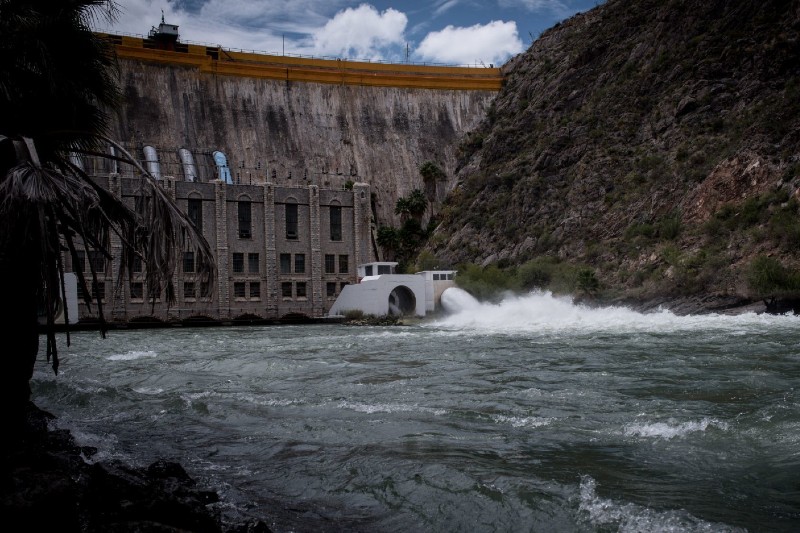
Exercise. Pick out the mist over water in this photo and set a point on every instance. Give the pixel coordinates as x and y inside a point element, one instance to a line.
<point>534,414</point>
<point>543,312</point>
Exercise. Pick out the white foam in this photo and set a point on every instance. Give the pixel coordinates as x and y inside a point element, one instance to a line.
<point>545,313</point>
<point>267,402</point>
<point>90,389</point>
<point>148,390</point>
<point>280,403</point>
<point>522,421</point>
<point>388,334</point>
<point>672,428</point>
<point>631,518</point>
<point>132,355</point>
<point>190,398</point>
<point>389,408</point>
<point>103,444</point>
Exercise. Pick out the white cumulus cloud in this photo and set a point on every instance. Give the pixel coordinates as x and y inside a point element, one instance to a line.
<point>360,32</point>
<point>488,43</point>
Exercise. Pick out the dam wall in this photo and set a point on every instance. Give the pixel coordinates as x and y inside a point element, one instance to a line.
<point>302,121</point>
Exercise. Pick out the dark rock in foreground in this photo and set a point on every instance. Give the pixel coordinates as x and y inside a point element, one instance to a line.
<point>48,484</point>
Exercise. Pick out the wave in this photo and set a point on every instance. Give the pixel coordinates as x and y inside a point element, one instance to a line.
<point>132,355</point>
<point>389,408</point>
<point>522,421</point>
<point>672,429</point>
<point>148,390</point>
<point>629,518</point>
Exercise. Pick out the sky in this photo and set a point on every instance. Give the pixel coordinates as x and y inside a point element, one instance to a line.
<point>454,32</point>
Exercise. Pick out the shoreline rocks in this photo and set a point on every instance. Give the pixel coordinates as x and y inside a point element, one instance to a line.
<point>49,482</point>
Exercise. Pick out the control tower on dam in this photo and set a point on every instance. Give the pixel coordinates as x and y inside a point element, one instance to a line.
<point>299,121</point>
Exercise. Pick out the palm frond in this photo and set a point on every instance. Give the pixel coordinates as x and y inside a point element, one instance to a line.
<point>58,81</point>
<point>55,72</point>
<point>164,231</point>
<point>65,208</point>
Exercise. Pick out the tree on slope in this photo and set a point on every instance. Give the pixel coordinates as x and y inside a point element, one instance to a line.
<point>57,81</point>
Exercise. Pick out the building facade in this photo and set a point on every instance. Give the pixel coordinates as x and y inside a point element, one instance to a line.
<point>282,251</point>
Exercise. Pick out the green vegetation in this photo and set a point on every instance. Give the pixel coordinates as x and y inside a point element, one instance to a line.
<point>471,144</point>
<point>484,283</point>
<point>358,317</point>
<point>431,172</point>
<point>772,217</point>
<point>404,243</point>
<point>388,239</point>
<point>694,271</point>
<point>667,228</point>
<point>767,277</point>
<point>413,205</point>
<point>426,261</point>
<point>542,273</point>
<point>586,283</point>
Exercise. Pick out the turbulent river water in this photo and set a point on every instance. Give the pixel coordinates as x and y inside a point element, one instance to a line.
<point>534,414</point>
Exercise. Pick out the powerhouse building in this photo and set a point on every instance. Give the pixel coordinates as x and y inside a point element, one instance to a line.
<point>283,250</point>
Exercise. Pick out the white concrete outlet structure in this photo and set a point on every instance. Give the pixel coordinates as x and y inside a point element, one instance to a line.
<point>381,292</point>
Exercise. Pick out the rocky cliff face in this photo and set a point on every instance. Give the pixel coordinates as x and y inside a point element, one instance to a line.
<point>656,141</point>
<point>317,133</point>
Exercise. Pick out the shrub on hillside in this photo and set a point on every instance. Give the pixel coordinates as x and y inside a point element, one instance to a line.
<point>484,283</point>
<point>767,277</point>
<point>544,273</point>
<point>535,274</point>
<point>586,282</point>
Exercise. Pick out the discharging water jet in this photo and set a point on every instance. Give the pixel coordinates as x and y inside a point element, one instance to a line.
<point>455,300</point>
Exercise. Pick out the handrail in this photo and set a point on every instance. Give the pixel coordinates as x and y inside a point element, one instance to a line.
<point>302,56</point>
<point>338,72</point>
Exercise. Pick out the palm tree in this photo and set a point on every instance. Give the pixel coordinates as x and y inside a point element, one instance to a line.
<point>431,173</point>
<point>57,83</point>
<point>417,203</point>
<point>388,239</point>
<point>402,207</point>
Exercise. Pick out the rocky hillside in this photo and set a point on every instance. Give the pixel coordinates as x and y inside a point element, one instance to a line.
<point>656,142</point>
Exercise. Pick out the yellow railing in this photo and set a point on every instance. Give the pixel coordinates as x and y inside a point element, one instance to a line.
<point>219,61</point>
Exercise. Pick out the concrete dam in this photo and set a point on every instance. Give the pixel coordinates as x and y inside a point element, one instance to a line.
<point>299,121</point>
